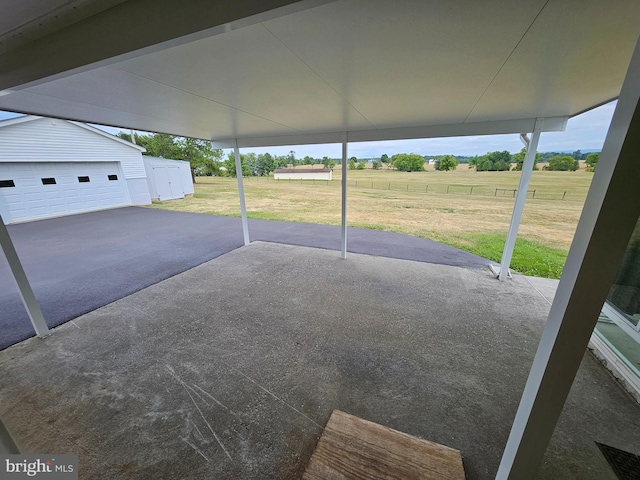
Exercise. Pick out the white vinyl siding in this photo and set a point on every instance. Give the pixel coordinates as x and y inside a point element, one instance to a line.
<point>51,140</point>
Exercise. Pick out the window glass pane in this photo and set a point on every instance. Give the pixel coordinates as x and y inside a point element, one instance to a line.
<point>625,291</point>
<point>622,343</point>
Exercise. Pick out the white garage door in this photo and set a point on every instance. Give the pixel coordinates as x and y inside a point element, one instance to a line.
<point>38,190</point>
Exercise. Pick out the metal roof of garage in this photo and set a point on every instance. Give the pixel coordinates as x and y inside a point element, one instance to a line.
<point>289,72</point>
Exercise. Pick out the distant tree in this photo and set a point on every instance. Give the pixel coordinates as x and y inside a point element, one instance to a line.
<point>230,164</point>
<point>203,159</point>
<point>251,160</point>
<point>353,159</point>
<point>492,161</point>
<point>578,155</point>
<point>360,166</point>
<point>157,145</point>
<point>291,158</point>
<point>518,158</point>
<point>332,164</point>
<point>376,164</point>
<point>408,162</point>
<point>592,160</point>
<point>280,161</point>
<point>127,136</point>
<point>352,164</point>
<point>446,162</point>
<point>563,163</point>
<point>325,162</point>
<point>266,164</point>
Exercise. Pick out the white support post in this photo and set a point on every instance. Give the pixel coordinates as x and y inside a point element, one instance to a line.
<point>609,216</point>
<point>343,228</point>
<point>26,293</point>
<point>518,207</point>
<point>243,206</point>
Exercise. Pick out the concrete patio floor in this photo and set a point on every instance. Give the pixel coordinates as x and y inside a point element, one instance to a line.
<point>231,369</point>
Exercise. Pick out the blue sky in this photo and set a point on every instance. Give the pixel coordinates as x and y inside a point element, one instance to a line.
<point>586,131</point>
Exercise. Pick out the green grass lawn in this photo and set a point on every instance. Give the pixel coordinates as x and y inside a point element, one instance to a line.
<point>529,257</point>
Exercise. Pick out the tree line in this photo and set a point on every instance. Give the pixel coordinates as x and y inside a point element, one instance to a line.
<point>206,160</point>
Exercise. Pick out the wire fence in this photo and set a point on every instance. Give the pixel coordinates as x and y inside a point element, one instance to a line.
<point>438,188</point>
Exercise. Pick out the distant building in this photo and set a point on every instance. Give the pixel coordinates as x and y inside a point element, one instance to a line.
<point>302,174</point>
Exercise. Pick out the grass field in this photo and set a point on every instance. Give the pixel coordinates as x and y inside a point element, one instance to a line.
<point>418,204</point>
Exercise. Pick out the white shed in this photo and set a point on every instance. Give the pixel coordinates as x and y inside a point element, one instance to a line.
<point>54,167</point>
<point>168,179</point>
<point>302,174</point>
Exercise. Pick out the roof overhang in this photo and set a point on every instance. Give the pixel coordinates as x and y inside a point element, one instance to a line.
<point>287,73</point>
<point>553,124</point>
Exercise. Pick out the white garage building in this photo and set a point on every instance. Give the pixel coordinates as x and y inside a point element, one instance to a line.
<point>54,167</point>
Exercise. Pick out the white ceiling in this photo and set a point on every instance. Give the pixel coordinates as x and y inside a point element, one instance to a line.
<point>375,68</point>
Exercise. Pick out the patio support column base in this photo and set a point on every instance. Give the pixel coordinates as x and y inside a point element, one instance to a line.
<point>496,269</point>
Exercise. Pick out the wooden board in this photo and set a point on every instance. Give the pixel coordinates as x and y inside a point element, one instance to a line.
<point>353,448</point>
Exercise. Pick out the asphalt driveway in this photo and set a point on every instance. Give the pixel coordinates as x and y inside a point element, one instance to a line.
<point>82,262</point>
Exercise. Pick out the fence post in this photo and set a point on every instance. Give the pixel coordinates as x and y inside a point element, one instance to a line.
<point>426,188</point>
<point>563,195</point>
<point>514,193</point>
<point>389,186</point>
<point>471,191</point>
<point>495,193</point>
<point>407,187</point>
<point>371,185</point>
<point>534,194</point>
<point>356,183</point>
<point>448,189</point>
